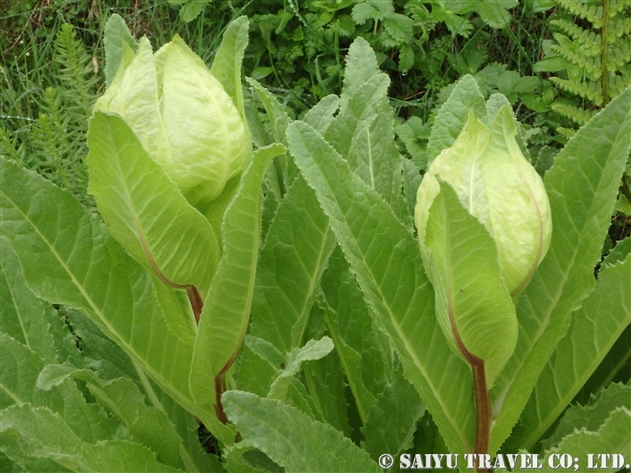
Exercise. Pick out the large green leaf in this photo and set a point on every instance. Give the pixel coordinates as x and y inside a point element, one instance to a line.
<point>116,36</point>
<point>593,331</point>
<point>473,305</point>
<point>148,426</point>
<point>392,420</point>
<point>322,113</point>
<point>296,251</point>
<point>387,264</point>
<point>453,114</point>
<point>292,439</point>
<point>326,382</point>
<point>67,257</point>
<point>354,121</point>
<point>40,433</point>
<point>611,437</point>
<point>110,364</point>
<point>278,117</point>
<point>593,415</point>
<point>24,316</point>
<point>150,218</point>
<point>363,130</point>
<point>19,370</point>
<point>361,66</point>
<point>582,186</point>
<point>226,66</point>
<point>225,317</point>
<point>364,351</point>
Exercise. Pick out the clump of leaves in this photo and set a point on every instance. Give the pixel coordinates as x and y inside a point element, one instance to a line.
<point>408,37</point>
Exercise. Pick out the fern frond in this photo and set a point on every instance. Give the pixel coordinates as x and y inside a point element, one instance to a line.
<point>591,64</point>
<point>76,72</point>
<point>618,28</point>
<point>578,115</point>
<point>619,54</point>
<point>602,58</point>
<point>566,132</point>
<point>619,82</point>
<point>588,40</point>
<point>591,91</point>
<point>618,6</point>
<point>591,13</point>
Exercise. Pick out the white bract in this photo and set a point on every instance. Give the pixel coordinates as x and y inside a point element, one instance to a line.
<point>498,186</point>
<point>182,116</point>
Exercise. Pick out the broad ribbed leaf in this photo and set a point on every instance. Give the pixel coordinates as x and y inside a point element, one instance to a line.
<point>361,66</point>
<point>42,338</point>
<point>387,264</point>
<point>24,316</point>
<point>593,330</point>
<point>292,439</point>
<point>150,218</point>
<point>590,417</point>
<point>19,370</point>
<point>116,36</point>
<point>363,130</point>
<point>452,115</point>
<point>226,66</point>
<point>68,257</point>
<point>364,351</point>
<point>147,425</point>
<point>473,306</point>
<point>225,317</point>
<point>327,384</point>
<point>322,113</point>
<point>616,366</point>
<point>296,251</point>
<point>612,437</point>
<point>278,117</point>
<point>40,433</point>
<point>392,420</point>
<point>354,121</point>
<point>582,186</point>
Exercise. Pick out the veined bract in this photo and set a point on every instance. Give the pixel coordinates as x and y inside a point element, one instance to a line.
<point>182,116</point>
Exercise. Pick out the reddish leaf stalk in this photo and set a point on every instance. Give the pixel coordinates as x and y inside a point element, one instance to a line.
<point>197,304</point>
<point>481,394</point>
<point>220,386</point>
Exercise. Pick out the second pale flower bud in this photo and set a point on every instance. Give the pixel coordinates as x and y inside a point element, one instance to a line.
<point>498,186</point>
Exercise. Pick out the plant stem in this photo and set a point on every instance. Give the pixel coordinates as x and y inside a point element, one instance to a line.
<point>482,409</point>
<point>480,392</point>
<point>220,388</point>
<point>197,304</point>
